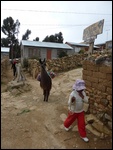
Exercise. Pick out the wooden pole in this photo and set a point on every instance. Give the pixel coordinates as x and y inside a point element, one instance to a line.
<point>90,50</point>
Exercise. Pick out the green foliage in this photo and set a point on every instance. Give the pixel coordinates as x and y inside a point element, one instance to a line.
<point>11,30</point>
<point>26,35</point>
<point>81,51</point>
<point>57,38</point>
<point>46,39</point>
<point>4,42</point>
<point>36,39</point>
<point>9,27</point>
<point>62,54</point>
<point>23,111</point>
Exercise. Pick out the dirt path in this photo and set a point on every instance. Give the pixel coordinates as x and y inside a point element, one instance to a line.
<point>27,122</point>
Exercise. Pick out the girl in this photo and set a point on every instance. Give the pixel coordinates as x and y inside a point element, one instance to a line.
<point>75,102</point>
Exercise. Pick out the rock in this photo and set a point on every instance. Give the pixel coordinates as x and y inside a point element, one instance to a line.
<point>107,117</point>
<point>17,88</point>
<point>102,136</point>
<point>90,118</point>
<point>93,130</point>
<point>101,128</point>
<point>110,124</point>
<point>14,84</point>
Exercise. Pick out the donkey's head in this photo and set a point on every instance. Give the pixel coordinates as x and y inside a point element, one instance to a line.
<point>42,63</point>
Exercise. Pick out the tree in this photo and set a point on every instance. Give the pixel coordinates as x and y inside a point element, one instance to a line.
<point>57,38</point>
<point>60,37</point>
<point>36,39</point>
<point>52,38</point>
<point>11,30</point>
<point>62,53</point>
<point>26,35</point>
<point>46,39</point>
<point>5,42</point>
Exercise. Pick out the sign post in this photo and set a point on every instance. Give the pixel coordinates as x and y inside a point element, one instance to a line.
<point>90,34</point>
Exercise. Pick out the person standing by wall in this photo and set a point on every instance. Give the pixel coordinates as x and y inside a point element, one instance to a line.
<point>20,76</point>
<point>75,103</point>
<point>14,68</point>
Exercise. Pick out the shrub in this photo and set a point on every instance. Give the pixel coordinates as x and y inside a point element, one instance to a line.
<point>62,54</point>
<point>81,51</point>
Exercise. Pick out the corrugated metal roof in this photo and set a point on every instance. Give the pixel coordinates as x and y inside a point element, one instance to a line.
<point>103,42</point>
<point>46,44</point>
<point>5,49</point>
<point>77,44</point>
<point>80,44</point>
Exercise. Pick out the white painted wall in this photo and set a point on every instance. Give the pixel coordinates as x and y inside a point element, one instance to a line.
<point>43,53</point>
<point>54,54</point>
<point>77,49</point>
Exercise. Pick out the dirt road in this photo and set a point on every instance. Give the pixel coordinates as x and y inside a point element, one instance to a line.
<point>27,122</point>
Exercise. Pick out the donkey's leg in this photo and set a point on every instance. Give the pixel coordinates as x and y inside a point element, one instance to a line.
<point>44,93</point>
<point>47,95</point>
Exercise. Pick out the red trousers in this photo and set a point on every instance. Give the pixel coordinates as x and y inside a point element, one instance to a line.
<point>80,121</point>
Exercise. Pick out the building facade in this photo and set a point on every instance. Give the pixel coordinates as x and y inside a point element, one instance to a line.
<point>48,50</point>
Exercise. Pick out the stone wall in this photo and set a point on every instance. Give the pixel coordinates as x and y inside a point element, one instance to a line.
<point>4,66</point>
<point>98,79</point>
<point>56,65</point>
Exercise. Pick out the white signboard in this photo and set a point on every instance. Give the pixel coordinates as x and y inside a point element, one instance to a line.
<point>92,31</point>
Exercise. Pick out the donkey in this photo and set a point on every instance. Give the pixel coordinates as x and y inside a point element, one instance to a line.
<point>46,81</point>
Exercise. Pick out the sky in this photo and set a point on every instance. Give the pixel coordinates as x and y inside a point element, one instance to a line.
<point>45,18</point>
